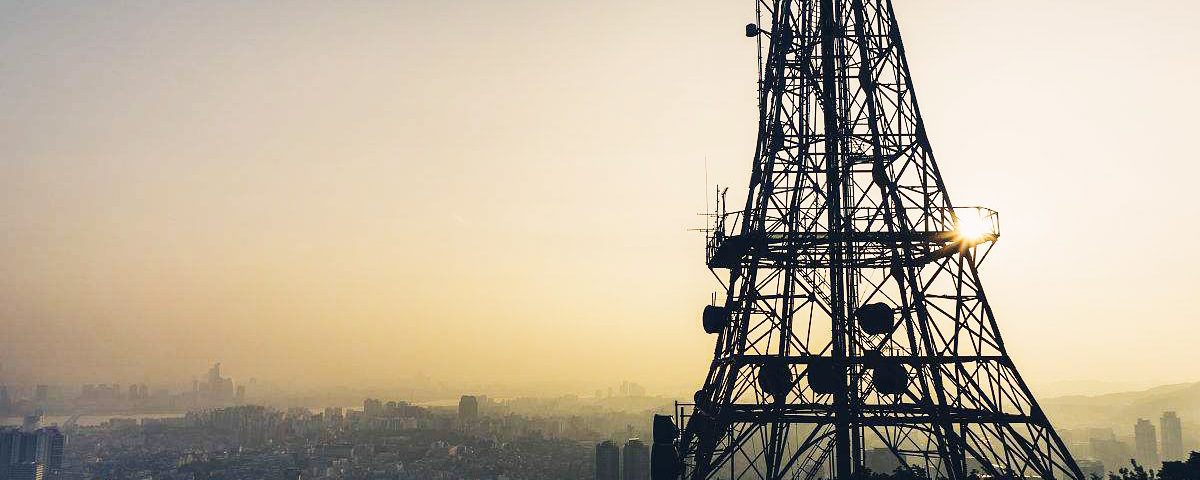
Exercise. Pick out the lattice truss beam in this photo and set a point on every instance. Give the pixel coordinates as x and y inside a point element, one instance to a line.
<point>846,208</point>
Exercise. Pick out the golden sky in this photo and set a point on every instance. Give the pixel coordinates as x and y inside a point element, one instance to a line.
<point>500,191</point>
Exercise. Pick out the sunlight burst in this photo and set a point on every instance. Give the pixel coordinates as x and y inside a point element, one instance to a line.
<point>973,226</point>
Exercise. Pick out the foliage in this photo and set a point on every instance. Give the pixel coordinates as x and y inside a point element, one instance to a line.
<point>1186,470</point>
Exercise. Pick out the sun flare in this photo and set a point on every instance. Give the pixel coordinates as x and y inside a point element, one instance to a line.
<point>973,225</point>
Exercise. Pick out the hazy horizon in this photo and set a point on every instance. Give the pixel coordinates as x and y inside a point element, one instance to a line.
<point>501,192</point>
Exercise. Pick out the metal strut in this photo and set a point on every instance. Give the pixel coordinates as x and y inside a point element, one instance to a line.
<point>853,333</point>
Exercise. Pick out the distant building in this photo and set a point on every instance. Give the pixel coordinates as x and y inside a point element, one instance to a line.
<point>217,389</point>
<point>1112,453</point>
<point>881,460</point>
<point>1091,468</point>
<point>333,416</point>
<point>1172,437</point>
<point>468,408</point>
<point>41,394</point>
<point>1145,443</point>
<point>10,448</point>
<point>372,407</point>
<point>51,444</point>
<point>1101,434</point>
<point>32,422</point>
<point>608,461</point>
<point>630,389</point>
<point>31,455</point>
<point>636,457</point>
<point>27,471</point>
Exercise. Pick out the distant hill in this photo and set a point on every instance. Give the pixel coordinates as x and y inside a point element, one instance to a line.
<point>1123,409</point>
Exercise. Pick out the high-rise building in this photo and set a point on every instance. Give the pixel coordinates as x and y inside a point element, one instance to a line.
<point>630,389</point>
<point>27,448</point>
<point>1172,437</point>
<point>636,457</point>
<point>372,407</point>
<point>881,460</point>
<point>217,389</point>
<point>10,448</point>
<point>50,446</point>
<point>5,401</point>
<point>31,455</point>
<point>214,373</point>
<point>1112,453</point>
<point>608,461</point>
<point>32,422</point>
<point>333,416</point>
<point>468,408</point>
<point>1145,443</point>
<point>27,471</point>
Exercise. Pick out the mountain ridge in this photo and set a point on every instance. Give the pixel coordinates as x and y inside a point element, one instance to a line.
<point>1124,408</point>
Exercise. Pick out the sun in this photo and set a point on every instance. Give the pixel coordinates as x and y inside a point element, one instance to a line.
<point>973,226</point>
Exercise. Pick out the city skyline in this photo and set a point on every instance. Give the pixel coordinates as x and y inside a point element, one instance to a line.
<point>159,205</point>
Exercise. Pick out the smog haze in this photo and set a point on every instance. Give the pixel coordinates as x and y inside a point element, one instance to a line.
<point>364,193</point>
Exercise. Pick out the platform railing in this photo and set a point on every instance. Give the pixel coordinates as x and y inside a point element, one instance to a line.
<point>938,228</point>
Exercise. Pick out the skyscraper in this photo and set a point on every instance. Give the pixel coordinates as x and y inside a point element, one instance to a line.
<point>32,422</point>
<point>636,456</point>
<point>468,408</point>
<point>1145,443</point>
<point>31,455</point>
<point>1172,437</point>
<point>608,461</point>
<point>217,389</point>
<point>372,407</point>
<point>1104,447</point>
<point>50,446</point>
<point>10,448</point>
<point>27,471</point>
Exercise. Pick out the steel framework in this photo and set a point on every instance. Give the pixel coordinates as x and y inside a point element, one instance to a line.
<point>854,330</point>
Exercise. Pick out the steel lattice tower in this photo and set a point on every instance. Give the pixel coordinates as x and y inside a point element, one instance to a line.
<point>854,328</point>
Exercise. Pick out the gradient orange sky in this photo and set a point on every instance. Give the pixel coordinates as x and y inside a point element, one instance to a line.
<point>493,191</point>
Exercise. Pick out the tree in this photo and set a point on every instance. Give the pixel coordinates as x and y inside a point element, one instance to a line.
<point>1136,473</point>
<point>1187,470</point>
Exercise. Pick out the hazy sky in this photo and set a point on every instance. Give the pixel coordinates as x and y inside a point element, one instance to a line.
<point>501,191</point>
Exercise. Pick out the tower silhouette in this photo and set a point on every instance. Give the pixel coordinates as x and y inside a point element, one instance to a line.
<point>853,319</point>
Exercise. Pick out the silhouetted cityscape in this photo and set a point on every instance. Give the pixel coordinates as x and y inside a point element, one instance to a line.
<point>209,431</point>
